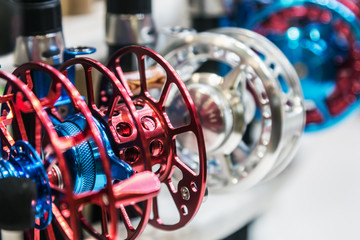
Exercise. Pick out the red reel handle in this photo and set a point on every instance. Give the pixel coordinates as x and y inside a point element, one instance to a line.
<point>140,187</point>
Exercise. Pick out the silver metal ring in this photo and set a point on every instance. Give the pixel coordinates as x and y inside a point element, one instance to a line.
<point>289,83</point>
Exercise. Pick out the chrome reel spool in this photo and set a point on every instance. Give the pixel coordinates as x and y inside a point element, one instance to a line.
<point>253,116</point>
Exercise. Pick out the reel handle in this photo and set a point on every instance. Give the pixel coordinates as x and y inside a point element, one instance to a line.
<point>140,187</point>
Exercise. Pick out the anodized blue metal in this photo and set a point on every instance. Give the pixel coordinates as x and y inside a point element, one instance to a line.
<point>72,52</point>
<point>312,47</point>
<point>84,160</point>
<point>42,81</point>
<point>69,53</point>
<point>24,162</point>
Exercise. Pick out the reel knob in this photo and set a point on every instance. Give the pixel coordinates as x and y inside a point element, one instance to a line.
<point>139,187</point>
<point>321,40</point>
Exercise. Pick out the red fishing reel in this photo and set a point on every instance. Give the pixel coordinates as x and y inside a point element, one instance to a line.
<point>142,134</point>
<point>73,154</point>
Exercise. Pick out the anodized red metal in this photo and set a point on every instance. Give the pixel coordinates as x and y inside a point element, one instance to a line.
<point>160,136</point>
<point>59,81</point>
<point>110,117</point>
<point>347,88</point>
<point>314,116</point>
<point>347,80</point>
<point>151,140</point>
<point>21,100</point>
<point>67,214</point>
<point>353,5</point>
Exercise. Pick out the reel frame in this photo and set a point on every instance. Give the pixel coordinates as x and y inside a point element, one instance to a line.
<point>270,155</point>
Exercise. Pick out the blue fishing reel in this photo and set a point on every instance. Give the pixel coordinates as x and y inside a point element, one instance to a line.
<point>320,38</point>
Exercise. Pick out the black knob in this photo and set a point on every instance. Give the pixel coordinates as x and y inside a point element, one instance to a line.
<point>16,198</point>
<point>9,26</point>
<point>128,7</point>
<point>40,17</point>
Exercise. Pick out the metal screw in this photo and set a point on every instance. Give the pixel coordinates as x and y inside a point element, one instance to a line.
<point>105,200</point>
<point>185,193</point>
<point>148,123</point>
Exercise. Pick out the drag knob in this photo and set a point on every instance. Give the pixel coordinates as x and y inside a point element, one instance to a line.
<point>16,208</point>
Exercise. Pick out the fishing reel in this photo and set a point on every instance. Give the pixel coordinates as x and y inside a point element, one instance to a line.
<point>141,133</point>
<point>62,165</point>
<point>320,38</point>
<point>248,98</point>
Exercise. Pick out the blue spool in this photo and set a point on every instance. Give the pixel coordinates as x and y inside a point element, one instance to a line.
<point>84,160</point>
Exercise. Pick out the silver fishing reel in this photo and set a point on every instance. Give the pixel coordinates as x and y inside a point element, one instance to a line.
<point>249,100</point>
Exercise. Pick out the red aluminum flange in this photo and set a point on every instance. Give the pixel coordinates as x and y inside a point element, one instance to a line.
<point>156,149</point>
<point>123,131</point>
